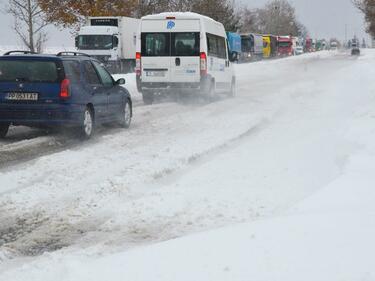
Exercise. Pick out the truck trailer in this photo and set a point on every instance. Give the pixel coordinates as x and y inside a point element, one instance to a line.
<point>112,40</point>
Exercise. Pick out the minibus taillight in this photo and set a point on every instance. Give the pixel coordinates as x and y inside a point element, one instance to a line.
<point>64,89</point>
<point>138,64</point>
<point>203,64</point>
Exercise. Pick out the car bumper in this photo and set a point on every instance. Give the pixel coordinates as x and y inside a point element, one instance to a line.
<point>173,86</point>
<point>32,114</point>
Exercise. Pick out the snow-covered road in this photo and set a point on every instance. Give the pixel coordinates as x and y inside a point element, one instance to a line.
<point>185,168</point>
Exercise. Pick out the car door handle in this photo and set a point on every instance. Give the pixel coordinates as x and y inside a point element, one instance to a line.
<point>178,61</point>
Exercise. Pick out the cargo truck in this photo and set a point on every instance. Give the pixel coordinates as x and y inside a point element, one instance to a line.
<point>234,42</point>
<point>284,46</point>
<point>111,40</point>
<point>308,45</point>
<point>252,47</point>
<point>269,46</point>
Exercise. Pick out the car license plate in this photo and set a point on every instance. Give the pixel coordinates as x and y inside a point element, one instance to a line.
<point>155,73</point>
<point>22,96</point>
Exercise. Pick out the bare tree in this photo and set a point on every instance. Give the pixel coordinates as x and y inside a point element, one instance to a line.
<point>368,8</point>
<point>29,22</point>
<point>276,17</point>
<point>250,21</point>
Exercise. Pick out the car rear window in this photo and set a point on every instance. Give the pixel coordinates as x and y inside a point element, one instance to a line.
<point>29,71</point>
<point>72,70</point>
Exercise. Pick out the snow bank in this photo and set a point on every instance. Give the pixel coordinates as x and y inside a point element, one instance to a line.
<point>285,169</point>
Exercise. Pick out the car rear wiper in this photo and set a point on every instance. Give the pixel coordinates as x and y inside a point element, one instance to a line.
<point>22,79</point>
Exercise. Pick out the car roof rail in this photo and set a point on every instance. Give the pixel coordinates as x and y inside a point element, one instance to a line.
<point>20,52</point>
<point>72,54</point>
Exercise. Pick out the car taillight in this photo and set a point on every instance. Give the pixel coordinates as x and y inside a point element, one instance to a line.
<point>138,64</point>
<point>64,89</point>
<point>203,58</point>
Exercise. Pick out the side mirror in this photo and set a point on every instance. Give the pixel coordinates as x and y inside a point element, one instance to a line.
<point>120,81</point>
<point>115,42</point>
<point>233,56</point>
<point>76,42</point>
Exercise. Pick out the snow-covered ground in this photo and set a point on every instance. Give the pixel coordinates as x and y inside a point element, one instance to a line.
<point>275,184</point>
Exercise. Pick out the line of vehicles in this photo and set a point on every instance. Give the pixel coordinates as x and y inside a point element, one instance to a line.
<point>172,53</point>
<point>176,53</point>
<point>113,40</point>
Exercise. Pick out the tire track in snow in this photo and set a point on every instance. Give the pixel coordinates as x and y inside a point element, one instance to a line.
<point>33,234</point>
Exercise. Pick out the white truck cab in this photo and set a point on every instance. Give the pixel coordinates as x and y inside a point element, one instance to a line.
<point>112,40</point>
<point>183,52</point>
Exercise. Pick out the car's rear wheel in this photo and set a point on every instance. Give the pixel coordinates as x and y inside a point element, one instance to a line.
<point>148,97</point>
<point>4,127</point>
<point>126,115</point>
<point>88,124</point>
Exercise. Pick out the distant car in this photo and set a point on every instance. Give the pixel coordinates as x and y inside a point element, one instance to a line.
<point>298,50</point>
<point>356,52</point>
<point>65,90</point>
<point>355,47</point>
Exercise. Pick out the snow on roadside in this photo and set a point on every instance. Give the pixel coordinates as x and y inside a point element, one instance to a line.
<point>327,236</point>
<point>128,206</point>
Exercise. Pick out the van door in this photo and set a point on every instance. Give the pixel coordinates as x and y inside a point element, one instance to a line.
<point>218,62</point>
<point>185,57</point>
<point>156,60</point>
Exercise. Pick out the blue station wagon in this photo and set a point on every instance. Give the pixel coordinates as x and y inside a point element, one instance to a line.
<point>65,90</point>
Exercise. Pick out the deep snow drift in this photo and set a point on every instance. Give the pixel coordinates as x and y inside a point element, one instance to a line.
<point>285,168</point>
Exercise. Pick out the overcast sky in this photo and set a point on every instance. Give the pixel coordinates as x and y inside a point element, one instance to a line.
<point>323,18</point>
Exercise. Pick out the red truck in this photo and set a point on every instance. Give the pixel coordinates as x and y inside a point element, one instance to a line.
<point>284,46</point>
<point>308,45</point>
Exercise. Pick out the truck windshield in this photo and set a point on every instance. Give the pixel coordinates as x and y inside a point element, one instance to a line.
<point>95,42</point>
<point>18,70</point>
<point>247,44</point>
<point>284,44</point>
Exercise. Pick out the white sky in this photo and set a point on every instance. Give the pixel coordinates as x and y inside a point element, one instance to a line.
<point>323,18</point>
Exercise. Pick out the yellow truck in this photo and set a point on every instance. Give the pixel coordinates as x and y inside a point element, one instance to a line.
<point>266,47</point>
<point>269,46</point>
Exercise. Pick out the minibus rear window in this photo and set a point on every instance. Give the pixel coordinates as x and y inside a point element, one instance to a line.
<point>155,44</point>
<point>185,44</point>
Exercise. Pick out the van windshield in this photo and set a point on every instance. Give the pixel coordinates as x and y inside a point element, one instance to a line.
<point>28,71</point>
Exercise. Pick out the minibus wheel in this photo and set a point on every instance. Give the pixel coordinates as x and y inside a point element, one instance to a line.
<point>148,97</point>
